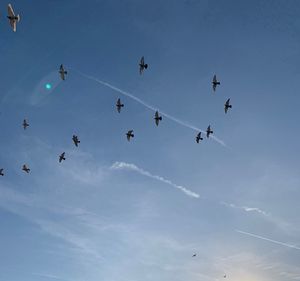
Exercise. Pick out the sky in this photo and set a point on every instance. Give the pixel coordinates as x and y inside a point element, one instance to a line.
<point>128,211</point>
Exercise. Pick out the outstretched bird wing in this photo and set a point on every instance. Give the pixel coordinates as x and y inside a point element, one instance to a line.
<point>215,79</point>
<point>62,72</point>
<point>10,10</point>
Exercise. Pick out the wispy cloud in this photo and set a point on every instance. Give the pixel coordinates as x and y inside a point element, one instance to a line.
<point>50,276</point>
<point>268,239</point>
<point>33,209</point>
<point>246,209</point>
<point>132,167</point>
<point>151,107</point>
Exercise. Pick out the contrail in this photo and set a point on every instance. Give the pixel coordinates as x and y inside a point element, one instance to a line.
<point>132,167</point>
<point>245,208</point>
<point>49,276</point>
<point>267,239</point>
<point>178,121</point>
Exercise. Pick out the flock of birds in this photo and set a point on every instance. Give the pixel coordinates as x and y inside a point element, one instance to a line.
<point>158,118</point>
<point>119,105</point>
<point>14,19</point>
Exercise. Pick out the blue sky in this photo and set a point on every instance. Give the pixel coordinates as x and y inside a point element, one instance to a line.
<point>121,211</point>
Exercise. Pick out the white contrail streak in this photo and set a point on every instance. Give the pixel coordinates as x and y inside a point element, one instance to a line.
<point>132,167</point>
<point>245,208</point>
<point>178,121</point>
<point>49,276</point>
<point>267,239</point>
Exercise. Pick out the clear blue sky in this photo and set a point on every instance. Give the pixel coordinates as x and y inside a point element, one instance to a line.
<point>132,211</point>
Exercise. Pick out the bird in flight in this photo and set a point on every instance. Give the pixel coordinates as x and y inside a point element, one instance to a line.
<point>198,137</point>
<point>215,82</point>
<point>1,172</point>
<point>75,140</point>
<point>25,124</point>
<point>62,157</point>
<point>13,19</point>
<point>129,134</point>
<point>25,169</point>
<point>209,131</point>
<point>62,72</point>
<point>119,105</point>
<point>227,105</point>
<point>157,118</point>
<point>142,65</point>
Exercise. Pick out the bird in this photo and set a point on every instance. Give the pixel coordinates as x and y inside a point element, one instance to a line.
<point>142,65</point>
<point>13,18</point>
<point>157,118</point>
<point>25,169</point>
<point>1,172</point>
<point>75,140</point>
<point>62,157</point>
<point>227,105</point>
<point>119,105</point>
<point>25,124</point>
<point>62,72</point>
<point>208,131</point>
<point>215,82</point>
<point>129,134</point>
<point>198,137</point>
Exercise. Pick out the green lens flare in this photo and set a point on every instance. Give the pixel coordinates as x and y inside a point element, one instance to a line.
<point>48,86</point>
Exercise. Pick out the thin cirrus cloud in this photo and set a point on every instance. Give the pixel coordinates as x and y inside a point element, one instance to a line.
<point>131,96</point>
<point>268,239</point>
<point>246,209</point>
<point>132,167</point>
<point>50,276</point>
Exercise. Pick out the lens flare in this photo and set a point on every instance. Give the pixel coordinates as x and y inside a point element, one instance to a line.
<point>48,86</point>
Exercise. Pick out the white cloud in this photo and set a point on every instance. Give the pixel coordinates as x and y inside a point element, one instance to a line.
<point>246,209</point>
<point>132,167</point>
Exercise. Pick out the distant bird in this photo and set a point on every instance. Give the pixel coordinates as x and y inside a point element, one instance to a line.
<point>62,157</point>
<point>75,140</point>
<point>25,124</point>
<point>224,276</point>
<point>215,82</point>
<point>119,105</point>
<point>13,19</point>
<point>129,134</point>
<point>1,172</point>
<point>208,131</point>
<point>62,72</point>
<point>157,118</point>
<point>142,65</point>
<point>227,105</point>
<point>198,137</point>
<point>25,169</point>
<point>194,255</point>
